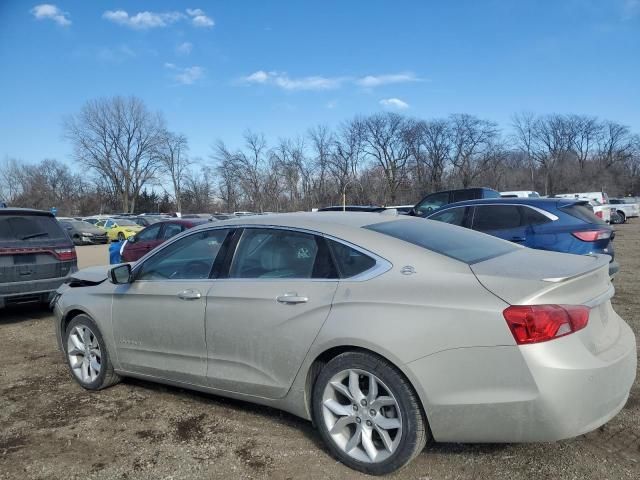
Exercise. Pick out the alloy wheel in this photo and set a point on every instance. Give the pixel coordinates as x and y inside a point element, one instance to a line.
<point>83,352</point>
<point>362,416</point>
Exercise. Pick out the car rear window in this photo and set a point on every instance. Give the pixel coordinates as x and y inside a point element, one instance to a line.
<point>455,242</point>
<point>583,212</point>
<point>30,228</point>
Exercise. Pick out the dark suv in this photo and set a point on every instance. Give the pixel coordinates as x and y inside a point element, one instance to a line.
<point>36,255</point>
<point>434,201</point>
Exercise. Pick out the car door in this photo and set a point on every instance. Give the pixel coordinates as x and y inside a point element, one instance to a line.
<point>158,318</point>
<point>503,221</point>
<point>262,319</point>
<point>143,242</point>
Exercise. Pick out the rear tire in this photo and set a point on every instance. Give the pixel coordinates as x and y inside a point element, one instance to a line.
<point>86,354</point>
<point>121,237</point>
<point>368,413</point>
<point>623,217</point>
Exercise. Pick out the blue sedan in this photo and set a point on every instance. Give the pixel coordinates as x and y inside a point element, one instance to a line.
<point>560,225</point>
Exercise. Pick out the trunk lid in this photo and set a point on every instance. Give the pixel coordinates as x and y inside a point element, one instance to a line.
<point>530,277</point>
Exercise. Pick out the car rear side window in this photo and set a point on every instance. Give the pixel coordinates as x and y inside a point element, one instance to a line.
<point>30,228</point>
<point>461,244</point>
<point>350,262</point>
<point>268,253</point>
<point>533,217</point>
<point>496,217</point>
<point>582,211</point>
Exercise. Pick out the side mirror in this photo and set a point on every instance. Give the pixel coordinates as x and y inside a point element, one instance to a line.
<point>120,274</point>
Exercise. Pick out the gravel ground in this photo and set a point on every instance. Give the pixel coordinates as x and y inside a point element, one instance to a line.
<point>52,428</point>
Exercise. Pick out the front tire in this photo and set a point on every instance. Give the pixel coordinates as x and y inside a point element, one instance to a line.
<point>87,355</point>
<point>121,237</point>
<point>623,217</point>
<point>368,413</point>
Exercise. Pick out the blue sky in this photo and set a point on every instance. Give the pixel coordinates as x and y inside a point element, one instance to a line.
<point>217,68</point>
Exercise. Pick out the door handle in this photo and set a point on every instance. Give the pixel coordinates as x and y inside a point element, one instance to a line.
<point>291,298</point>
<point>189,294</point>
<point>518,239</point>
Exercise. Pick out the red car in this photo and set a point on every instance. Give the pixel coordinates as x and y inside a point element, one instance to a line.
<point>155,234</point>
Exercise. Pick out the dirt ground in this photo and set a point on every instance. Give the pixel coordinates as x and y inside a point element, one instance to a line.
<point>52,428</point>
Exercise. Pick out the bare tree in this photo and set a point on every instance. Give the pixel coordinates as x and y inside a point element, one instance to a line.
<point>118,138</point>
<point>386,141</point>
<point>175,162</point>
<point>615,144</point>
<point>475,147</point>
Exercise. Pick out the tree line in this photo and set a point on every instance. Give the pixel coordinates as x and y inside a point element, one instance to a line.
<point>131,162</point>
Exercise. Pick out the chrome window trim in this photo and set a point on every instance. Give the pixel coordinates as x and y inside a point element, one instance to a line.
<point>549,215</point>
<point>381,266</point>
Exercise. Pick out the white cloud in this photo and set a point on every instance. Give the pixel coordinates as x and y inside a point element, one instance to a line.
<point>317,82</point>
<point>142,20</point>
<point>257,77</point>
<point>394,103</point>
<point>185,76</point>
<point>372,81</point>
<point>282,80</point>
<point>199,18</point>
<point>184,48</point>
<point>51,12</point>
<point>331,104</point>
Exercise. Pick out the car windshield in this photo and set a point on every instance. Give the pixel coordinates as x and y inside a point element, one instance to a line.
<point>125,223</point>
<point>80,225</point>
<point>455,242</point>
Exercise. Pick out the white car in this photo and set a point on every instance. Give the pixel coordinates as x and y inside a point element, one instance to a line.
<point>520,194</point>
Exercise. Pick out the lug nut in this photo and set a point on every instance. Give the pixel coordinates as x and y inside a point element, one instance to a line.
<point>372,412</point>
<point>358,420</point>
<point>355,407</point>
<point>363,402</point>
<point>369,423</point>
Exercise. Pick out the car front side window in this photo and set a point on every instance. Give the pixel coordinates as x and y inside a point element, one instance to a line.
<point>454,216</point>
<point>148,234</point>
<point>190,258</point>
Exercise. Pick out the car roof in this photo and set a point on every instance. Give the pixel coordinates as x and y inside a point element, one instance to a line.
<point>23,211</point>
<point>325,222</point>
<point>534,202</point>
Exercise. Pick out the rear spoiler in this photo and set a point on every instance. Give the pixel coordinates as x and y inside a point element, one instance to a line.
<point>601,260</point>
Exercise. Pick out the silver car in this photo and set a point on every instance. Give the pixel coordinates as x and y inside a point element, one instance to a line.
<point>387,331</point>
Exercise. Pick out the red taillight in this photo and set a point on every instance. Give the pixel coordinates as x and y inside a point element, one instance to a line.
<point>65,254</point>
<point>539,323</point>
<point>592,235</point>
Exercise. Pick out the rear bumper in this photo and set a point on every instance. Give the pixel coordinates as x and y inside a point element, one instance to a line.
<point>16,292</point>
<point>544,392</point>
